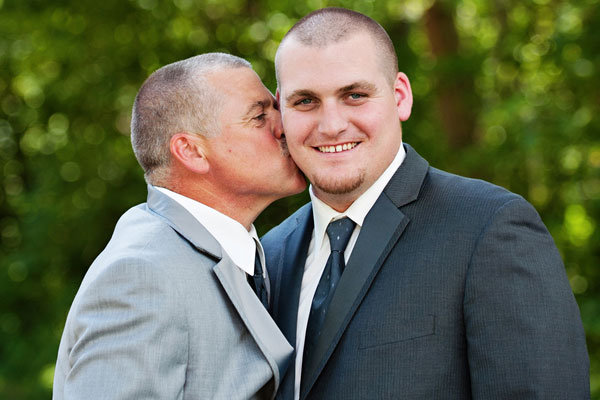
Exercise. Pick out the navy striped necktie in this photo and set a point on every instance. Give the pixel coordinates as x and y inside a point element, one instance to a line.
<point>257,281</point>
<point>339,233</point>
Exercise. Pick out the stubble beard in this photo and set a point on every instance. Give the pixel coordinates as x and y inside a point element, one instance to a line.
<point>338,185</point>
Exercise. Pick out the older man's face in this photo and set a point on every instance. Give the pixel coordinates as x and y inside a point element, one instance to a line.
<point>248,157</point>
<point>341,114</point>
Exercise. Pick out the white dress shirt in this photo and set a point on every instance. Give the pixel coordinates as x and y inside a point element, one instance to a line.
<point>319,249</point>
<point>236,241</point>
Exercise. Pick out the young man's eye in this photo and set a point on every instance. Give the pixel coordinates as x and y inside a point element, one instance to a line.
<point>304,102</point>
<point>356,96</point>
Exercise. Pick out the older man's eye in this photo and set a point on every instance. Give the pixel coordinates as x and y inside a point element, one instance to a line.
<point>260,120</point>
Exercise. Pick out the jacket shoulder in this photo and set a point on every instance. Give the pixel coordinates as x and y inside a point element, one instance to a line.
<point>466,191</point>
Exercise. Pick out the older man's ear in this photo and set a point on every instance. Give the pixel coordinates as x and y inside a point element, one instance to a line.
<point>187,150</point>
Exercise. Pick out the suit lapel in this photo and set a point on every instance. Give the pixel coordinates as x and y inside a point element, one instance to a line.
<point>269,339</point>
<point>295,249</point>
<point>381,229</point>
<point>261,326</point>
<point>285,311</point>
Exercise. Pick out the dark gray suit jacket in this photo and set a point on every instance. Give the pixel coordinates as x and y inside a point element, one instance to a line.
<point>454,290</point>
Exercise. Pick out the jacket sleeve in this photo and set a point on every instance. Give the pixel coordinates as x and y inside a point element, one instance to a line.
<point>125,337</point>
<point>524,333</point>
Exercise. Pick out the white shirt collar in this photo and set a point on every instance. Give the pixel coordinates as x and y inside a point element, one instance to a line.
<point>323,214</point>
<point>235,240</point>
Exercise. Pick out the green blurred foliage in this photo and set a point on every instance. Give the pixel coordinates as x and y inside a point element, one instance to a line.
<point>507,91</point>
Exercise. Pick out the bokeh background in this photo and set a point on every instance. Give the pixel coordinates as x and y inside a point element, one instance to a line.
<point>505,90</point>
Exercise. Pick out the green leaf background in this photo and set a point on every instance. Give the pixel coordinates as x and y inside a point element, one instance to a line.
<point>506,91</point>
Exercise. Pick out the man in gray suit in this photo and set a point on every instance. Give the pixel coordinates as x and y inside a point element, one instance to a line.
<point>426,285</point>
<point>166,311</point>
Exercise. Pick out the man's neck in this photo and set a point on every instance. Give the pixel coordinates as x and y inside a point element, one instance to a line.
<point>242,209</point>
<point>339,202</point>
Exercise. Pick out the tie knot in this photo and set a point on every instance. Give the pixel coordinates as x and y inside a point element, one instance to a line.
<point>339,233</point>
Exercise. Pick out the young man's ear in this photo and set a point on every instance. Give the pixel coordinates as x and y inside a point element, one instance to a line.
<point>278,100</point>
<point>188,151</point>
<point>404,97</point>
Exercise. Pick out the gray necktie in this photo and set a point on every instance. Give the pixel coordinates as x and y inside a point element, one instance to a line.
<point>339,233</point>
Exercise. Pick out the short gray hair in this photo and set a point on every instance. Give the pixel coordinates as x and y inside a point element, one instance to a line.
<point>176,98</point>
<point>332,25</point>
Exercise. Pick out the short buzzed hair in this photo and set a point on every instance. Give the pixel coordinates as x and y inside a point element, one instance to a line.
<point>176,98</point>
<point>332,25</point>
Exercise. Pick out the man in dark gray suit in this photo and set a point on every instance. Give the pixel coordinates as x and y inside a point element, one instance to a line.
<point>398,280</point>
<point>175,305</point>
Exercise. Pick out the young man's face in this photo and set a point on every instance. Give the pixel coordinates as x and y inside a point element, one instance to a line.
<point>341,114</point>
<point>247,155</point>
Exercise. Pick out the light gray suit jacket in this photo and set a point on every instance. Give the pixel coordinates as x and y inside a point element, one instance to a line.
<point>163,313</point>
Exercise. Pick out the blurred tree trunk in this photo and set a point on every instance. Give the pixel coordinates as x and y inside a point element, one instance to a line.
<point>454,91</point>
